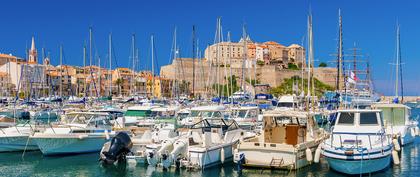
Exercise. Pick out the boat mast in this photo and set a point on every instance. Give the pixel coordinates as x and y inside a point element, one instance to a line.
<point>340,52</point>
<point>90,59</point>
<point>153,64</point>
<point>398,68</point>
<point>110,65</point>
<point>310,59</point>
<point>61,71</point>
<point>193,60</point>
<point>84,70</point>
<point>230,91</point>
<point>133,43</point>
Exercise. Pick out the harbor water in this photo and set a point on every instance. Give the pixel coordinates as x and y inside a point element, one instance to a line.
<point>34,164</point>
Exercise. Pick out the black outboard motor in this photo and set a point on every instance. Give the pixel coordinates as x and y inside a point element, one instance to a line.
<point>119,146</point>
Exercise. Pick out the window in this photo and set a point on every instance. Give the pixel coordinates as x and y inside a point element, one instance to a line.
<point>368,118</point>
<point>346,118</point>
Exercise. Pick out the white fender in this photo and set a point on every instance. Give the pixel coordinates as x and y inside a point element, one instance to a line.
<point>82,136</point>
<point>395,157</point>
<point>317,154</point>
<point>396,144</point>
<point>106,134</point>
<point>308,155</point>
<point>222,155</point>
<point>413,132</point>
<point>417,131</point>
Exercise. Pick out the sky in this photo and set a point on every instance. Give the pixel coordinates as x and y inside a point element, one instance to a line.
<point>371,25</point>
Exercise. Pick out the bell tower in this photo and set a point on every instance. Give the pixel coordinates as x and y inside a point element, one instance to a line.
<point>33,54</point>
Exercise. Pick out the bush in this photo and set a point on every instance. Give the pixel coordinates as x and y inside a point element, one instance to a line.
<point>292,66</point>
<point>323,64</point>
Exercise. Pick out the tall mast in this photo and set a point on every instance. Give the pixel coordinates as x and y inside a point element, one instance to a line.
<point>110,65</point>
<point>133,46</point>
<point>193,60</point>
<point>245,56</point>
<point>152,41</point>
<point>90,59</point>
<point>230,92</point>
<point>175,81</point>
<point>398,68</point>
<point>84,70</point>
<point>61,71</point>
<point>340,52</point>
<point>310,53</point>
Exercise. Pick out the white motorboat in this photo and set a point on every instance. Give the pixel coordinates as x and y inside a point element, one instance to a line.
<point>83,133</point>
<point>247,117</point>
<point>202,112</point>
<point>288,141</point>
<point>207,143</point>
<point>358,143</point>
<point>16,138</point>
<point>134,114</point>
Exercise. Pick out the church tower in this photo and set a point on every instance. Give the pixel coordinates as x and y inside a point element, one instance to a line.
<point>33,54</point>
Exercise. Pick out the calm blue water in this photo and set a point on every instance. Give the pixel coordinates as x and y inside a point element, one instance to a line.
<point>34,164</point>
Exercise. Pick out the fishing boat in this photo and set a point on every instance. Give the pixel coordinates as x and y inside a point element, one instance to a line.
<point>358,143</point>
<point>397,122</point>
<point>288,141</point>
<point>83,132</point>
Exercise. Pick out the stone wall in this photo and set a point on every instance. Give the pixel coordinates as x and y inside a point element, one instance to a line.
<point>267,74</point>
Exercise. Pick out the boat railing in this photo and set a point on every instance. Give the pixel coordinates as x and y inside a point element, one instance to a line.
<point>357,140</point>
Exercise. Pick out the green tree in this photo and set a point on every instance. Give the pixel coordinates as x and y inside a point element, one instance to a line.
<point>292,66</point>
<point>287,86</point>
<point>260,63</point>
<point>322,64</point>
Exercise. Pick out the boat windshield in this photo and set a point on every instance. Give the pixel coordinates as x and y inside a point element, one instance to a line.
<point>91,119</point>
<point>368,118</point>
<point>138,113</point>
<point>346,118</point>
<point>285,105</point>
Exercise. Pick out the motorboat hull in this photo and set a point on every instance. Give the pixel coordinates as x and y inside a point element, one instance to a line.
<point>354,167</point>
<point>202,158</point>
<point>75,144</point>
<point>10,143</point>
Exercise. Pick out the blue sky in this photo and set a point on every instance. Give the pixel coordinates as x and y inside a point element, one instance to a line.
<point>370,24</point>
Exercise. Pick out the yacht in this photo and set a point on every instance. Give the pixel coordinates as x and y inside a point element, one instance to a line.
<point>358,143</point>
<point>82,132</point>
<point>397,122</point>
<point>288,141</point>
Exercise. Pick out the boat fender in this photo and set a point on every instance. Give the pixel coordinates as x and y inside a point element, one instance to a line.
<point>396,144</point>
<point>413,132</point>
<point>106,134</point>
<point>82,136</point>
<point>417,131</point>
<point>395,157</point>
<point>309,155</point>
<point>222,155</point>
<point>317,154</point>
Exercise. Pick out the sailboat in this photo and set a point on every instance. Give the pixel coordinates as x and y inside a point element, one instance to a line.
<point>396,115</point>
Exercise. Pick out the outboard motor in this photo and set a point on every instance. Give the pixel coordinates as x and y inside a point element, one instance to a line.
<point>119,146</point>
